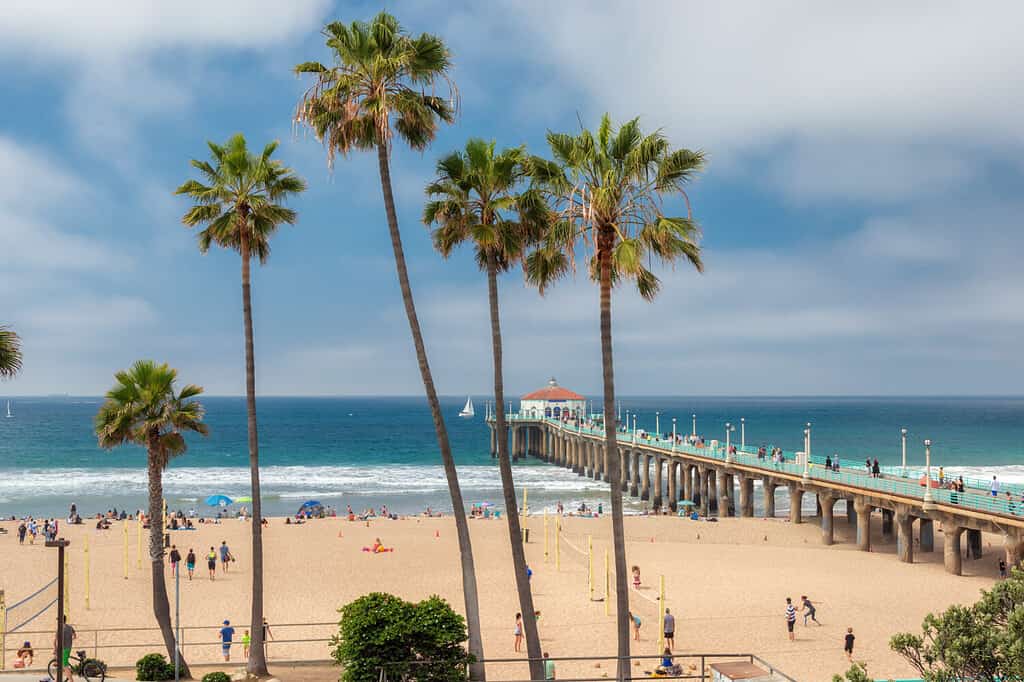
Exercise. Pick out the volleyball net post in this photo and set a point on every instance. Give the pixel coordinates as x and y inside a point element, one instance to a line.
<point>124,533</point>
<point>67,583</point>
<point>607,585</point>
<point>3,631</point>
<point>558,544</point>
<point>661,613</point>
<point>86,570</point>
<point>138,542</point>
<point>545,536</point>
<point>590,566</point>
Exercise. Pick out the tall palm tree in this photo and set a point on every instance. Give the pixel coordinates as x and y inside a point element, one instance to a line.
<point>143,408</point>
<point>381,85</point>
<point>10,353</point>
<point>606,193</point>
<point>241,205</point>
<point>474,195</point>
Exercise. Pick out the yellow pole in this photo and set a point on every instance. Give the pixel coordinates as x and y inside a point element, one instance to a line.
<point>607,586</point>
<point>67,583</point>
<point>3,630</point>
<point>138,538</point>
<point>661,613</point>
<point>86,572</point>
<point>125,529</point>
<point>590,566</point>
<point>558,544</point>
<point>545,536</point>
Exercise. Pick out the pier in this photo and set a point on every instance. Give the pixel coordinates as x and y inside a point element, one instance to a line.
<point>719,479</point>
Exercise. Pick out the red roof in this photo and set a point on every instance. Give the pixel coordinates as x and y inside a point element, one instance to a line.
<point>553,393</point>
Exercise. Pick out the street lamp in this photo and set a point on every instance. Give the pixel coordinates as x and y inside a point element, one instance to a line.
<point>927,503</point>
<point>729,428</point>
<point>807,452</point>
<point>657,423</point>
<point>673,434</point>
<point>903,433</point>
<point>808,448</point>
<point>60,544</point>
<point>627,419</point>
<point>694,426</point>
<point>634,428</point>
<point>743,433</point>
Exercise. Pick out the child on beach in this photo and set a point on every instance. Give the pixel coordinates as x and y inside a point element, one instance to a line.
<point>848,644</point>
<point>636,577</point>
<point>246,640</point>
<point>636,625</point>
<point>518,632</point>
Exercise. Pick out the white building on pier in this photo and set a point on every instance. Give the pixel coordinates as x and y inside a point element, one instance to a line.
<point>553,401</point>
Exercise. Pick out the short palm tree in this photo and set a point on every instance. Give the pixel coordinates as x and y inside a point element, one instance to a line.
<point>10,353</point>
<point>380,86</point>
<point>241,205</point>
<point>606,192</point>
<point>473,200</point>
<point>144,408</point>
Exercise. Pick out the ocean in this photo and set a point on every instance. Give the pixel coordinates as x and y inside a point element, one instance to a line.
<point>373,451</point>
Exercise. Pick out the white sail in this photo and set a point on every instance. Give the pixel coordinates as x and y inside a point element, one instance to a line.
<point>9,415</point>
<point>468,411</point>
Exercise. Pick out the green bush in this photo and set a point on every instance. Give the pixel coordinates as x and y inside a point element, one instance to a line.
<point>154,668</point>
<point>217,676</point>
<point>414,642</point>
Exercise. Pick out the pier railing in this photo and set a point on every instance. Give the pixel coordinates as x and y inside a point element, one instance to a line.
<point>893,483</point>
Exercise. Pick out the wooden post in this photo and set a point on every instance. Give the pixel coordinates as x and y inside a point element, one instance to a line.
<point>87,572</point>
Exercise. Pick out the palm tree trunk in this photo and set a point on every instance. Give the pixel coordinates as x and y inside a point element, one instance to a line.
<point>161,607</point>
<point>257,664</point>
<point>508,490</point>
<point>606,237</point>
<point>469,589</point>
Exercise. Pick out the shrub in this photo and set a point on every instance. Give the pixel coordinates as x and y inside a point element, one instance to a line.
<point>217,676</point>
<point>414,642</point>
<point>154,668</point>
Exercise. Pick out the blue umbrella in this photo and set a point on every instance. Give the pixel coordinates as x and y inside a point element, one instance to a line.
<point>309,504</point>
<point>218,500</point>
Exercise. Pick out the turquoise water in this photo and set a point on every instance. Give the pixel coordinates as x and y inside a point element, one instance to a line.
<point>373,451</point>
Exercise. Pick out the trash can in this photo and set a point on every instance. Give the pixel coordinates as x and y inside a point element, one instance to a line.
<point>167,540</point>
<point>526,535</point>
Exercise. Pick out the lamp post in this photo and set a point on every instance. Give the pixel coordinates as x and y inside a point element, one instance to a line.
<point>728,450</point>
<point>927,503</point>
<point>627,420</point>
<point>903,434</point>
<point>657,423</point>
<point>807,453</point>
<point>673,434</point>
<point>694,433</point>
<point>808,448</point>
<point>177,623</point>
<point>743,433</point>
<point>634,428</point>
<point>60,544</point>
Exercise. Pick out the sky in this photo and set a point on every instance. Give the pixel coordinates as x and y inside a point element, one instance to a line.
<point>861,205</point>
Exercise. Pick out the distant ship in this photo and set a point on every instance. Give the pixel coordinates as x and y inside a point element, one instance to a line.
<point>467,411</point>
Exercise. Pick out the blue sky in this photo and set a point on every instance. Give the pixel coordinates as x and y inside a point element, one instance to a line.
<point>861,205</point>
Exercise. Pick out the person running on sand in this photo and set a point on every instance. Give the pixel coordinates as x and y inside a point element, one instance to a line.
<point>790,618</point>
<point>518,632</point>
<point>190,562</point>
<point>211,562</point>
<point>809,610</point>
<point>848,644</point>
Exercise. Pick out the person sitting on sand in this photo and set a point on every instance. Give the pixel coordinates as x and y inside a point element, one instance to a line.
<point>668,665</point>
<point>378,547</point>
<point>25,655</point>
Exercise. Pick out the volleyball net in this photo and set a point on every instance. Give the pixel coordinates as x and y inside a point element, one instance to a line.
<point>17,616</point>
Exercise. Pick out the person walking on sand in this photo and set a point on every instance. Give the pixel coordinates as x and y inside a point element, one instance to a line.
<point>174,559</point>
<point>848,644</point>
<point>190,562</point>
<point>518,632</point>
<point>211,562</point>
<point>809,610</point>
<point>670,630</point>
<point>225,555</point>
<point>226,634</point>
<point>549,667</point>
<point>790,618</point>
<point>635,619</point>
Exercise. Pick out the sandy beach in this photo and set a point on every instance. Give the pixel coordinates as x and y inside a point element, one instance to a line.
<point>725,582</point>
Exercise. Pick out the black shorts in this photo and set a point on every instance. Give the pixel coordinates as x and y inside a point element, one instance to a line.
<point>790,624</point>
<point>212,564</point>
<point>670,635</point>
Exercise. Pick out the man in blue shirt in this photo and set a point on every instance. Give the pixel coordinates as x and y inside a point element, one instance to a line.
<point>226,633</point>
<point>225,555</point>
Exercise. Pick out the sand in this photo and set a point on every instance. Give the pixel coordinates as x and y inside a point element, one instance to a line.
<point>726,583</point>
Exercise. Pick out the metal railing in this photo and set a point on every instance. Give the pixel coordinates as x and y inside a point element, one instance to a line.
<point>891,483</point>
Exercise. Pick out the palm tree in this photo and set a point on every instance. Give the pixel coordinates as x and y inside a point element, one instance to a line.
<point>241,206</point>
<point>10,353</point>
<point>473,194</point>
<point>606,192</point>
<point>143,408</point>
<point>382,85</point>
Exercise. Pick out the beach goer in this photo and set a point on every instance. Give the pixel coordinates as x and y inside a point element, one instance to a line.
<point>790,618</point>
<point>549,667</point>
<point>876,471</point>
<point>246,641</point>
<point>225,555</point>
<point>67,640</point>
<point>25,655</point>
<point>211,562</point>
<point>867,464</point>
<point>635,619</point>
<point>848,644</point>
<point>828,463</point>
<point>22,530</point>
<point>636,577</point>
<point>809,610</point>
<point>174,558</point>
<point>1002,568</point>
<point>670,629</point>
<point>226,634</point>
<point>995,487</point>
<point>190,562</point>
<point>942,476</point>
<point>267,636</point>
<point>1009,502</point>
<point>518,632</point>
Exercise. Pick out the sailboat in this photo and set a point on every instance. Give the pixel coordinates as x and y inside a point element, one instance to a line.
<point>9,415</point>
<point>467,411</point>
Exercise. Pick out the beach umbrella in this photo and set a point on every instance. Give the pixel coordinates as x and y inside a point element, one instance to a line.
<point>218,500</point>
<point>687,503</point>
<point>310,503</point>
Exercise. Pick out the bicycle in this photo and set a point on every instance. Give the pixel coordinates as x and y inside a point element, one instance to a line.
<point>88,668</point>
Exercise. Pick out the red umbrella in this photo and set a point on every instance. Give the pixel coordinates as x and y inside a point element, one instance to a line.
<point>921,482</point>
